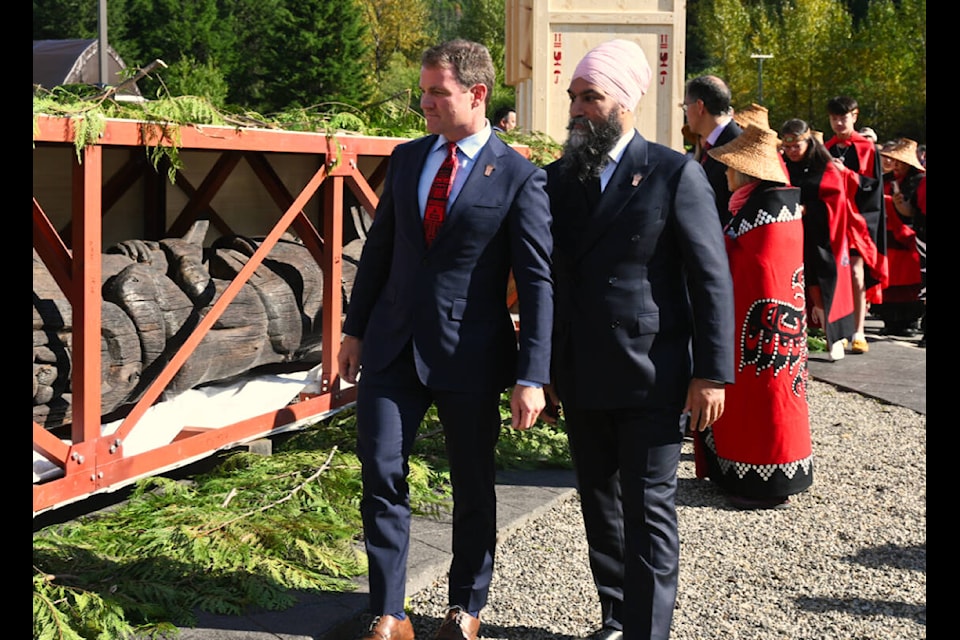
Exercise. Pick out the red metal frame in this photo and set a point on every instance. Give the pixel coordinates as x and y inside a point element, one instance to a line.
<point>94,464</point>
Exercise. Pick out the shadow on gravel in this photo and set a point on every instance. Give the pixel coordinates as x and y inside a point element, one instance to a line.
<point>913,557</point>
<point>865,607</point>
<point>693,492</point>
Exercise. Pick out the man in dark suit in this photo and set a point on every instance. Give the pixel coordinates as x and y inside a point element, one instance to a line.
<point>643,333</point>
<point>428,323</point>
<point>709,112</point>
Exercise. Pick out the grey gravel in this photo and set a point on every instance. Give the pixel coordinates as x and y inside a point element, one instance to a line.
<point>846,561</point>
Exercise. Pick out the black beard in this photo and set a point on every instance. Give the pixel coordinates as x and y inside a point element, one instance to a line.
<point>585,151</point>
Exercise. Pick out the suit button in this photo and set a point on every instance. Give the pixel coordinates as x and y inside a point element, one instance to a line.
<point>612,280</point>
<point>614,324</point>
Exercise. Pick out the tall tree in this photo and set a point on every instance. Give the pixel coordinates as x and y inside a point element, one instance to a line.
<point>254,25</point>
<point>389,33</point>
<point>892,83</point>
<point>78,19</point>
<point>172,29</point>
<point>812,36</point>
<point>820,51</point>
<point>187,35</point>
<point>445,15</point>
<point>722,28</point>
<point>484,21</point>
<point>326,61</point>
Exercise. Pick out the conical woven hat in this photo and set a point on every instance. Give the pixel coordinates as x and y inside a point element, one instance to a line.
<point>754,153</point>
<point>904,150</point>
<point>754,114</point>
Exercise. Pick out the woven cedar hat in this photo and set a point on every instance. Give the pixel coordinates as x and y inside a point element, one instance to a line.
<point>754,153</point>
<point>904,150</point>
<point>754,114</point>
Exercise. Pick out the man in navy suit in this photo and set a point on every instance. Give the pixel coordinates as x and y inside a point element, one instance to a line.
<point>707,106</point>
<point>643,333</point>
<point>429,324</point>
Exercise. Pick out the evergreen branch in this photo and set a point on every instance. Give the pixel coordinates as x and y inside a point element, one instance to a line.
<point>289,496</point>
<point>110,91</point>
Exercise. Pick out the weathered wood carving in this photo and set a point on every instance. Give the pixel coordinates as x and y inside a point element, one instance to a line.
<point>154,294</point>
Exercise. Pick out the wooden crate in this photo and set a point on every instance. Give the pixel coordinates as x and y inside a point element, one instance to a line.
<point>545,39</point>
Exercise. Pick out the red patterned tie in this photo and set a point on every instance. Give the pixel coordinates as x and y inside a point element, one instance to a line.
<point>703,152</point>
<point>439,192</point>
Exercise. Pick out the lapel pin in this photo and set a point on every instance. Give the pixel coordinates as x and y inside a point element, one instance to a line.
<point>636,179</point>
<point>487,170</point>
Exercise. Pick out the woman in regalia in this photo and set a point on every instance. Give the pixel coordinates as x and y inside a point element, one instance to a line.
<point>827,194</point>
<point>759,452</point>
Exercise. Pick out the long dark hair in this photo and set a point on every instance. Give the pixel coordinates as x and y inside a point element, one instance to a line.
<point>816,156</point>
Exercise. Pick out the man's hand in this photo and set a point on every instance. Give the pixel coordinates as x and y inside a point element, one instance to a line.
<point>526,403</point>
<point>705,400</point>
<point>348,358</point>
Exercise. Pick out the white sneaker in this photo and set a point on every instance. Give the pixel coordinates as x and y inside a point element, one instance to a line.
<point>837,351</point>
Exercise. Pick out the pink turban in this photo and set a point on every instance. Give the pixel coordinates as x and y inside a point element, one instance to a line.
<point>619,68</point>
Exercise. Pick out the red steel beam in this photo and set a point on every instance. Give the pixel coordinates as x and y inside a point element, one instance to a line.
<point>95,463</point>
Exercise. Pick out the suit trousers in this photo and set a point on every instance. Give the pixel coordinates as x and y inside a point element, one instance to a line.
<point>391,404</point>
<point>626,468</point>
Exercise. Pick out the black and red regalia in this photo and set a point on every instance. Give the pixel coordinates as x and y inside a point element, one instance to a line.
<point>827,197</point>
<point>761,446</point>
<point>867,221</point>
<point>901,303</point>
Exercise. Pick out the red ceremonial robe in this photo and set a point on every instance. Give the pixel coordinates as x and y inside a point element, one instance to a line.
<point>903,259</point>
<point>867,225</point>
<point>826,199</point>
<point>920,227</point>
<point>761,446</point>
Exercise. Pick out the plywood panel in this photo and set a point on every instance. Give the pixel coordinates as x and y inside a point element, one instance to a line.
<point>560,34</point>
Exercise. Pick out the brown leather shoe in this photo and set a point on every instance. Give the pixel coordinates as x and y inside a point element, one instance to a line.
<point>458,625</point>
<point>389,628</point>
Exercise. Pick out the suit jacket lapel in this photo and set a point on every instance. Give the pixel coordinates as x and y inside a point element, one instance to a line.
<point>624,185</point>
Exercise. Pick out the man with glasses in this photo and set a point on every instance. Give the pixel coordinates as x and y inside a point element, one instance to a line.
<point>709,113</point>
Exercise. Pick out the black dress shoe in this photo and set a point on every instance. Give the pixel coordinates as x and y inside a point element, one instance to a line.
<point>606,634</point>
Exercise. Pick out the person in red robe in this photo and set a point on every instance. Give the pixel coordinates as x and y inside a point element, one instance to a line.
<point>760,451</point>
<point>901,306</point>
<point>827,196</point>
<point>867,230</point>
<point>920,226</point>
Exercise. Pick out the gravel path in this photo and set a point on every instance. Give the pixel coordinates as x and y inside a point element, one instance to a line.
<point>846,562</point>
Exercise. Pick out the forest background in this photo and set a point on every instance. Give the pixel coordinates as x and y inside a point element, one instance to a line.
<point>276,56</point>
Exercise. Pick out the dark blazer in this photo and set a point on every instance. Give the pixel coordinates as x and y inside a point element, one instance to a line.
<point>717,172</point>
<point>450,299</point>
<point>637,280</point>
